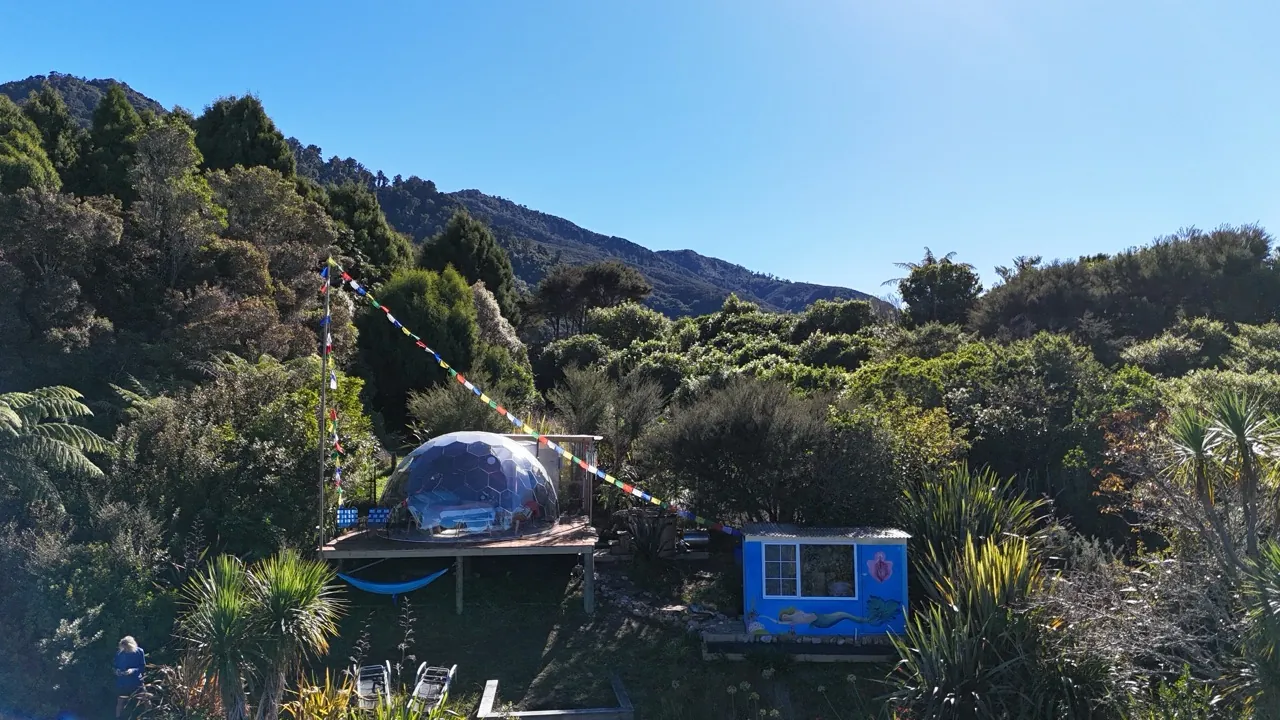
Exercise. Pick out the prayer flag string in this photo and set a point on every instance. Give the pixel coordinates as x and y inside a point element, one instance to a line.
<point>331,413</point>
<point>522,426</point>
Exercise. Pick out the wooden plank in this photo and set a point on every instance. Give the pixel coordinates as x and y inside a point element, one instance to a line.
<point>486,701</point>
<point>375,554</point>
<point>589,582</point>
<point>624,700</point>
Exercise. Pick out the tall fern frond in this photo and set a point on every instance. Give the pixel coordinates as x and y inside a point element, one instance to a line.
<point>53,453</point>
<point>53,408</point>
<point>10,420</point>
<point>131,398</point>
<point>82,439</point>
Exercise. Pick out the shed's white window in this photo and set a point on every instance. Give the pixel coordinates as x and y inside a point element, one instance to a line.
<point>781,574</point>
<point>810,570</point>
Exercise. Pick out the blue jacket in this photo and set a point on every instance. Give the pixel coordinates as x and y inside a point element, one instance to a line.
<point>136,660</point>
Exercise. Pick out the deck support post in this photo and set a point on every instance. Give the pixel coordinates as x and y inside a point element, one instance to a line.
<point>589,581</point>
<point>458,571</point>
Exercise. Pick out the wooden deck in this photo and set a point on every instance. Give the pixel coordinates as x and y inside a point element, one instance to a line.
<point>571,536</point>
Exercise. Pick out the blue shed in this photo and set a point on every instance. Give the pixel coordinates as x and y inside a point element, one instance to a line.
<point>823,581</point>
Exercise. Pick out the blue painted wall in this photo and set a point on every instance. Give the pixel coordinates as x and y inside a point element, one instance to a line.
<point>880,606</point>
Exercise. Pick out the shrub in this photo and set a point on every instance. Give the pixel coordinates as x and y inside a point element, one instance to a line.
<point>620,326</point>
<point>842,351</point>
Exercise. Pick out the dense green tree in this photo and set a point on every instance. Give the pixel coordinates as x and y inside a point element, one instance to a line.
<point>230,464</point>
<point>939,290</point>
<point>49,243</point>
<point>73,586</point>
<point>113,139</point>
<point>494,328</point>
<point>375,250</point>
<point>755,451</point>
<point>1032,409</point>
<point>23,160</point>
<point>567,293</point>
<point>624,324</point>
<point>922,341</point>
<point>467,244</point>
<point>237,131</point>
<point>510,378</point>
<point>834,317</point>
<point>556,301</point>
<point>577,351</point>
<point>437,306</point>
<point>294,234</point>
<point>174,208</point>
<point>61,137</point>
<point>1228,274</point>
<point>444,409</point>
<point>842,351</point>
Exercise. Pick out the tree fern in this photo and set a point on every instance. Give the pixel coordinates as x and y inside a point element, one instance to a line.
<point>28,442</point>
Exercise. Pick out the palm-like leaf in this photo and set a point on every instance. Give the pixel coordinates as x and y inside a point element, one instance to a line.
<point>222,629</point>
<point>1245,436</point>
<point>1258,682</point>
<point>26,439</point>
<point>969,654</point>
<point>299,611</point>
<point>958,502</point>
<point>1192,459</point>
<point>1192,443</point>
<point>53,453</point>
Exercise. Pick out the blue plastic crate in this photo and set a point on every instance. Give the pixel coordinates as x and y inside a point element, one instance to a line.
<point>378,516</point>
<point>347,517</point>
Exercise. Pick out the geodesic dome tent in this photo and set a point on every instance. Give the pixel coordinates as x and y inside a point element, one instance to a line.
<point>465,484</point>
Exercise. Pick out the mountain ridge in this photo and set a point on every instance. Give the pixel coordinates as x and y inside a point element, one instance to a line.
<point>685,282</point>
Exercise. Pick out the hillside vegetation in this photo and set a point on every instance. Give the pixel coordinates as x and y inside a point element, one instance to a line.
<point>1085,454</point>
<point>684,282</point>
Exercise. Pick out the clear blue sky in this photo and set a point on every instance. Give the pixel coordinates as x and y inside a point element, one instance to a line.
<point>819,141</point>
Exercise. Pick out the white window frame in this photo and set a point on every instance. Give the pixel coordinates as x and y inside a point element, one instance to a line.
<point>764,571</point>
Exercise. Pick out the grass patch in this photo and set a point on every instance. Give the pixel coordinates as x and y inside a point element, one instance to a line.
<point>523,624</point>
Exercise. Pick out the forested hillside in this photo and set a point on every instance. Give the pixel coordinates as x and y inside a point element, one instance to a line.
<point>684,282</point>
<point>1086,455</point>
<point>80,94</point>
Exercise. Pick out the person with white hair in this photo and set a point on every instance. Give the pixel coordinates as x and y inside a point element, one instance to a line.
<point>129,664</point>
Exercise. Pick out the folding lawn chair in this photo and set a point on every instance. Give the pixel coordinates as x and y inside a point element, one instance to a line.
<point>373,686</point>
<point>431,687</point>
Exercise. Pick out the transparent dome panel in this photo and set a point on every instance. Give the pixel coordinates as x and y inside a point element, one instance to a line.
<point>469,486</point>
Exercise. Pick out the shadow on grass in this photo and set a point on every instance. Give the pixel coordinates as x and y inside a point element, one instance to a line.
<point>523,625</point>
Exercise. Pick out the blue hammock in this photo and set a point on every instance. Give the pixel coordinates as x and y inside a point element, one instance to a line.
<point>392,588</point>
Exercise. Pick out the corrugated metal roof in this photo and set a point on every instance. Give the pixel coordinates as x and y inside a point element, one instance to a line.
<point>786,530</point>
